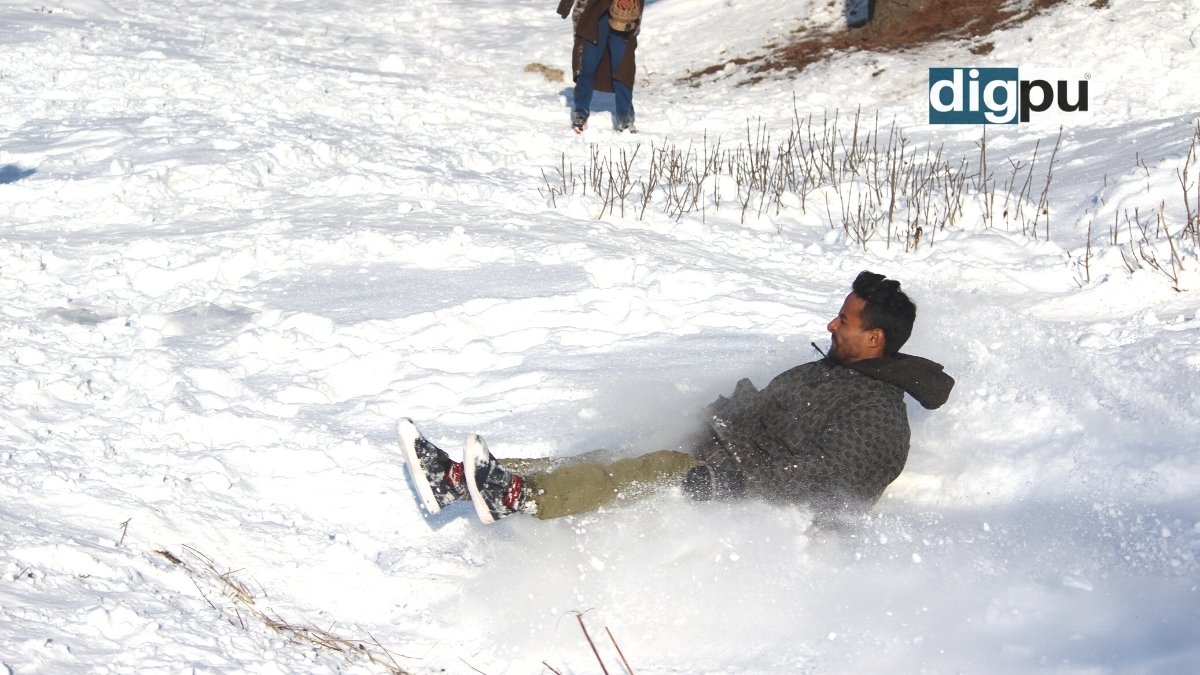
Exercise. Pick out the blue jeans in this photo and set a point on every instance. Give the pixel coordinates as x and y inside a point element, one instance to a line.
<point>616,44</point>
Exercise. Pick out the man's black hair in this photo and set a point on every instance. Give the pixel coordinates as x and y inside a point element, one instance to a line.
<point>888,308</point>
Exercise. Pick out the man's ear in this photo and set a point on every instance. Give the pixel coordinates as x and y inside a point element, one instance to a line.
<point>878,338</point>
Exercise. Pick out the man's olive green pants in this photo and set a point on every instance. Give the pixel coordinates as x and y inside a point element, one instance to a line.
<point>585,483</point>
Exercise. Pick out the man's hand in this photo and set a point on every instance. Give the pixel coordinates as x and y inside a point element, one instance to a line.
<point>704,482</point>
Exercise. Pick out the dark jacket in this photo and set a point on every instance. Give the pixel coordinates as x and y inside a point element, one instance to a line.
<point>587,28</point>
<point>821,434</point>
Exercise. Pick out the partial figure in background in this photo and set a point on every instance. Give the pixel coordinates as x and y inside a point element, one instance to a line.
<point>603,56</point>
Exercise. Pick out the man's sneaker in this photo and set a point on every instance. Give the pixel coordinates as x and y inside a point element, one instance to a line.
<point>495,491</point>
<point>626,125</point>
<point>439,480</point>
<point>578,122</point>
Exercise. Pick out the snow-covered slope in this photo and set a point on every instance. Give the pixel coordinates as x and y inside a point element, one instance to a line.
<point>238,240</point>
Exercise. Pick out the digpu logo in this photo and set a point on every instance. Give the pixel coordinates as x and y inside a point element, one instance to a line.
<point>998,95</point>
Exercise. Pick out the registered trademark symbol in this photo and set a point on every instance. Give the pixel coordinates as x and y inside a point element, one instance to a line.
<point>1087,76</point>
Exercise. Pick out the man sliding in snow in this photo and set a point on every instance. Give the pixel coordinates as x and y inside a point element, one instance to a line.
<point>831,434</point>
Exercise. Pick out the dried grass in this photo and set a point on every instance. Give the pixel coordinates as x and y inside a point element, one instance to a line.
<point>237,602</point>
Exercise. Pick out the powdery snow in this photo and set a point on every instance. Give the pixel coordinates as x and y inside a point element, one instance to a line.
<point>240,240</point>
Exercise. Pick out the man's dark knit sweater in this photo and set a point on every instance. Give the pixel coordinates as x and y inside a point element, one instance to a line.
<point>822,434</point>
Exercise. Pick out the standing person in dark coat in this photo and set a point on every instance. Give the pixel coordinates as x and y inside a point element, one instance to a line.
<point>603,56</point>
<point>831,434</point>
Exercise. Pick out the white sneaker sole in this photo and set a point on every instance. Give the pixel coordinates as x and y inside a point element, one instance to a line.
<point>408,434</point>
<point>476,450</point>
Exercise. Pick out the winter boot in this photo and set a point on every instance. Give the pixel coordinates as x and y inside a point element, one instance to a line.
<point>625,125</point>
<point>495,491</point>
<point>438,479</point>
<point>578,121</point>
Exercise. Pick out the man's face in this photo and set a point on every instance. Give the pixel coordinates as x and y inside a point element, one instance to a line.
<point>851,341</point>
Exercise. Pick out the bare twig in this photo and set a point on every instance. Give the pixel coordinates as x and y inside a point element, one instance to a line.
<point>471,666</point>
<point>619,652</point>
<point>579,616</point>
<point>1044,200</point>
